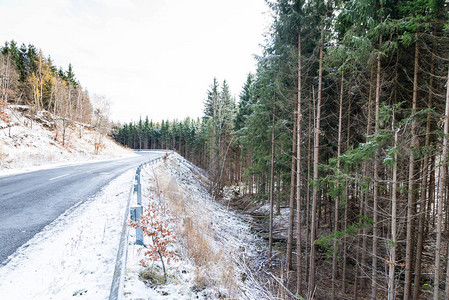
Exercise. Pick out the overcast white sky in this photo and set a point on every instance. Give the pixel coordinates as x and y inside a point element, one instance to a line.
<point>149,57</point>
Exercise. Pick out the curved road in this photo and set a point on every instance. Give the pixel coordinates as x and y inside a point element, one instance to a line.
<point>30,201</point>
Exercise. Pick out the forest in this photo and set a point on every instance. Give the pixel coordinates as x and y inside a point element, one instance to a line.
<point>32,80</point>
<point>345,122</point>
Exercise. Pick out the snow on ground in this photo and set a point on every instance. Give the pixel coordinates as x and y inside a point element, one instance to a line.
<point>25,144</point>
<point>218,251</point>
<point>74,255</point>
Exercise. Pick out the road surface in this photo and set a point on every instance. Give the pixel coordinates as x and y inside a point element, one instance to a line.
<point>30,201</point>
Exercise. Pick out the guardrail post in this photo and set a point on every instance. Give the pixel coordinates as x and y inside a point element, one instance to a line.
<point>136,212</point>
<point>139,194</point>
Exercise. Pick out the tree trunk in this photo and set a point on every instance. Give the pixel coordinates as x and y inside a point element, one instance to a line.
<point>298,175</point>
<point>364,195</point>
<point>411,181</point>
<point>313,222</point>
<point>309,162</point>
<point>393,243</point>
<point>337,199</point>
<point>447,273</point>
<point>346,211</point>
<point>291,214</point>
<point>270,247</point>
<point>424,183</point>
<point>442,180</point>
<point>278,188</point>
<point>375,185</point>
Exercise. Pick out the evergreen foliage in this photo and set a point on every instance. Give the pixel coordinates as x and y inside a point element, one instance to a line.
<point>380,200</point>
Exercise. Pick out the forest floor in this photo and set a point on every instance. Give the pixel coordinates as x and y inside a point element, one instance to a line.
<point>256,212</point>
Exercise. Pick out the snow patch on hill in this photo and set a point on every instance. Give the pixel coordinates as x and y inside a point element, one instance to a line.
<point>27,141</point>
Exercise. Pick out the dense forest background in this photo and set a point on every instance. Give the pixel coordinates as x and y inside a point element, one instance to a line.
<point>346,123</point>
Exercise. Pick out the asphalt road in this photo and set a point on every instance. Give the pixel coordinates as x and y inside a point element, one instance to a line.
<point>30,201</point>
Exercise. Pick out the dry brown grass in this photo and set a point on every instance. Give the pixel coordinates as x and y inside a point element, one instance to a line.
<point>214,267</point>
<point>2,155</point>
<point>198,246</point>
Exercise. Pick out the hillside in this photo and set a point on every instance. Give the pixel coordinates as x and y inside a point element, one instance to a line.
<point>31,140</point>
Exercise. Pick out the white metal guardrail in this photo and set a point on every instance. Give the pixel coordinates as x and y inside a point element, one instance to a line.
<point>132,213</point>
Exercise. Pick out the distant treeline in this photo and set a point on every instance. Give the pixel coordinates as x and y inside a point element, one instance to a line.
<point>203,141</point>
<point>186,137</point>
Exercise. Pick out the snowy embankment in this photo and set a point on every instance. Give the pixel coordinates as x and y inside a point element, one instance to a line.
<point>74,255</point>
<point>217,251</point>
<point>29,142</point>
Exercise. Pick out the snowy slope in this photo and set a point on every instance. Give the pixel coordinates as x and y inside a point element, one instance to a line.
<point>217,249</point>
<point>29,142</point>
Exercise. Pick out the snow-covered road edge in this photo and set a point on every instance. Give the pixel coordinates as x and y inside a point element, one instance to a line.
<point>10,172</point>
<point>122,253</point>
<point>73,256</point>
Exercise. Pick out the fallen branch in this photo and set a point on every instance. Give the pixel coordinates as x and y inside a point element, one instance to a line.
<point>280,283</point>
